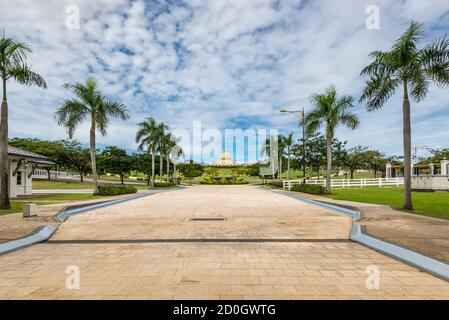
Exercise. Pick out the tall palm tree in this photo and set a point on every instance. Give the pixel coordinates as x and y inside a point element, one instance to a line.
<point>90,103</point>
<point>161,140</point>
<point>330,111</point>
<point>176,152</point>
<point>412,69</point>
<point>13,66</point>
<point>147,137</point>
<point>288,142</point>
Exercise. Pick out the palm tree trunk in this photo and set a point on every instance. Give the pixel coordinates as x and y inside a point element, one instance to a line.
<point>329,160</point>
<point>174,171</point>
<point>407,135</point>
<point>152,167</point>
<point>161,161</point>
<point>168,168</point>
<point>93,155</point>
<point>288,164</point>
<point>4,162</point>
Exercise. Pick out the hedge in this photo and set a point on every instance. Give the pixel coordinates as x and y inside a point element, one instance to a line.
<point>223,181</point>
<point>276,184</point>
<point>164,184</point>
<point>309,188</point>
<point>113,189</point>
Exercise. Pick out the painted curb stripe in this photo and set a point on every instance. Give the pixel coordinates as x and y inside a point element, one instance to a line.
<point>66,214</point>
<point>41,235</point>
<point>419,261</point>
<point>347,212</point>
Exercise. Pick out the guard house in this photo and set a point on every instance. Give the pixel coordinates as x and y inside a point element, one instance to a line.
<point>428,177</point>
<point>22,164</point>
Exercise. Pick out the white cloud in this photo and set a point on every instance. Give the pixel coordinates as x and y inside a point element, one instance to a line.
<point>217,61</point>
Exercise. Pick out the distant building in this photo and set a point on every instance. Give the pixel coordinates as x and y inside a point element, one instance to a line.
<point>225,160</point>
<point>22,164</point>
<point>428,177</point>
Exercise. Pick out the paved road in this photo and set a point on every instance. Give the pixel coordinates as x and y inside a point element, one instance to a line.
<point>268,246</point>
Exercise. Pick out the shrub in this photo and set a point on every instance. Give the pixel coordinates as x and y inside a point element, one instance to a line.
<point>113,189</point>
<point>240,181</point>
<point>163,184</point>
<point>276,184</point>
<point>309,188</point>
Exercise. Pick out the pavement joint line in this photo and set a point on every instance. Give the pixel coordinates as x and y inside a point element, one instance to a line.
<point>105,241</point>
<point>421,262</point>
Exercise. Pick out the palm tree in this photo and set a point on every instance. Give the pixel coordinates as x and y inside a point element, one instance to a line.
<point>13,66</point>
<point>147,137</point>
<point>412,69</point>
<point>330,111</point>
<point>168,144</point>
<point>161,147</point>
<point>90,103</point>
<point>288,142</point>
<point>176,152</point>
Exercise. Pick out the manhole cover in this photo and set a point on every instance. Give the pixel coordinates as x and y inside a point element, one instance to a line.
<point>208,219</point>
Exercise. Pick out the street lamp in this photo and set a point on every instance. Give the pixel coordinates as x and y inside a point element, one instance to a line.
<point>301,115</point>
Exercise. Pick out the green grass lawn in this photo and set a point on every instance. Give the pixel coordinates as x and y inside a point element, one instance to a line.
<point>435,204</point>
<point>17,204</point>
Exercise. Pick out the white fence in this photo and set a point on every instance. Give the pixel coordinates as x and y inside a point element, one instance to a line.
<point>349,183</point>
<point>43,172</point>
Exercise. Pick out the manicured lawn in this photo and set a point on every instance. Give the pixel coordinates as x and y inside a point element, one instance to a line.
<point>17,204</point>
<point>433,204</point>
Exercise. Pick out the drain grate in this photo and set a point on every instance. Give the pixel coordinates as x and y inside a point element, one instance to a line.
<point>208,219</point>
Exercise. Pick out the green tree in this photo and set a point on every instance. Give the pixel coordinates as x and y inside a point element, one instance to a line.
<point>75,156</point>
<point>191,170</point>
<point>355,159</point>
<point>406,67</point>
<point>117,161</point>
<point>330,111</point>
<point>13,56</point>
<point>147,137</point>
<point>90,103</point>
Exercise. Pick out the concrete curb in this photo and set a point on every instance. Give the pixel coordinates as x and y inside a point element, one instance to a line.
<point>64,215</point>
<point>414,259</point>
<point>355,215</point>
<point>44,233</point>
<point>419,261</point>
<point>41,234</point>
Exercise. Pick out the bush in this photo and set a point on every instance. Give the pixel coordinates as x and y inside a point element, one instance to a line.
<point>223,181</point>
<point>309,188</point>
<point>114,190</point>
<point>163,184</point>
<point>276,184</point>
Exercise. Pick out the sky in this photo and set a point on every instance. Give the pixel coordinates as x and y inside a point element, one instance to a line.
<point>230,64</point>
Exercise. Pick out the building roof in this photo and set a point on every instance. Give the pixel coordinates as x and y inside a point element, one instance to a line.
<point>30,156</point>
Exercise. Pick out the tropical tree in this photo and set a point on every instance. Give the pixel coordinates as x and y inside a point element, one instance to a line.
<point>330,111</point>
<point>412,69</point>
<point>117,161</point>
<point>90,103</point>
<point>161,140</point>
<point>13,66</point>
<point>147,137</point>
<point>288,142</point>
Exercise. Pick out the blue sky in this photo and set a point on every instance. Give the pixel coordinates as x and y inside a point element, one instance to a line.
<point>229,64</point>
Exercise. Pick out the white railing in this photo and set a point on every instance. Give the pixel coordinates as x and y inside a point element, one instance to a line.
<point>43,172</point>
<point>349,183</point>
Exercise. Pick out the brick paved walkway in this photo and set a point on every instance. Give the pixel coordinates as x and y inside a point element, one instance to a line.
<point>146,249</point>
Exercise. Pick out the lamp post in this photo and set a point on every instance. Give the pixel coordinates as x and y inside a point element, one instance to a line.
<point>301,115</point>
